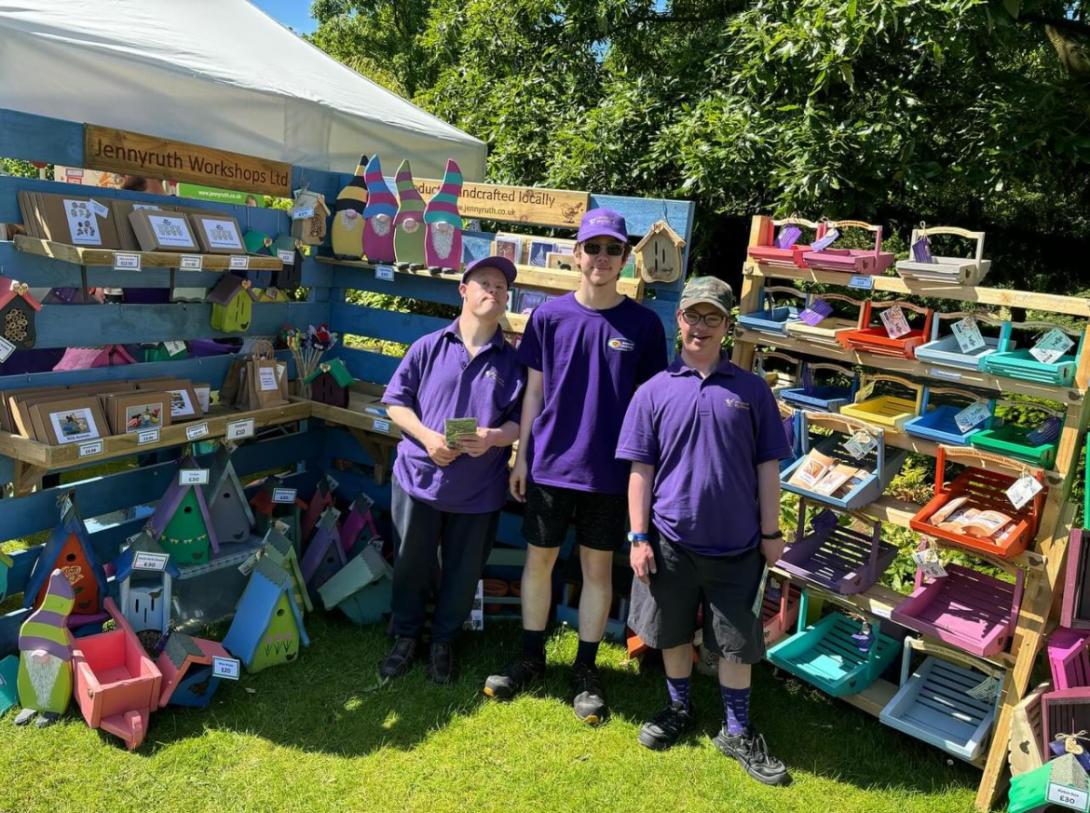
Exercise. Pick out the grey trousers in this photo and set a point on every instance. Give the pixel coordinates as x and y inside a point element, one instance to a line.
<point>420,533</point>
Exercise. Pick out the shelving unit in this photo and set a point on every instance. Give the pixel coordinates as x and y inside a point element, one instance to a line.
<point>99,257</point>
<point>1042,562</point>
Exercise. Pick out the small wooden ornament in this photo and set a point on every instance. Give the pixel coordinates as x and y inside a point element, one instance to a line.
<point>443,246</point>
<point>378,230</point>
<point>45,650</point>
<point>347,236</point>
<point>18,310</point>
<point>409,227</point>
<point>659,255</point>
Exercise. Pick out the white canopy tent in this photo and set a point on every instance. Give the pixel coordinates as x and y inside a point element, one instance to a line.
<point>219,73</point>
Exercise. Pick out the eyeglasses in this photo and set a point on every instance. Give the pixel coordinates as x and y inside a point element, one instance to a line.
<point>709,319</point>
<point>612,249</point>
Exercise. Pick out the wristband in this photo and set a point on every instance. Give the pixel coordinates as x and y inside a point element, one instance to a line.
<point>776,535</point>
<point>635,537</point>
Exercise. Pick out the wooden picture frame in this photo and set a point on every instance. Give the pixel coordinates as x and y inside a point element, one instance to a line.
<point>138,411</point>
<point>162,230</point>
<point>217,233</point>
<point>557,261</point>
<point>184,404</point>
<point>69,420</point>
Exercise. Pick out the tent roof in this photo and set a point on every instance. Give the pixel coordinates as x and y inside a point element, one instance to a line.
<point>219,73</point>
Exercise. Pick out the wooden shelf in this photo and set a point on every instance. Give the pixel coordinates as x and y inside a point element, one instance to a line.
<point>80,255</point>
<point>352,419</point>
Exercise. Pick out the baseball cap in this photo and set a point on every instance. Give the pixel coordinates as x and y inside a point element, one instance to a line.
<point>499,263</point>
<point>602,223</point>
<point>711,290</point>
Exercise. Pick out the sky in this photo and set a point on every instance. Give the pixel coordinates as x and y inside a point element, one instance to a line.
<point>293,13</point>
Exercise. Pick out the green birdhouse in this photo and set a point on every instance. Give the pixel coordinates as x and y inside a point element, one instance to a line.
<point>232,304</point>
<point>183,526</point>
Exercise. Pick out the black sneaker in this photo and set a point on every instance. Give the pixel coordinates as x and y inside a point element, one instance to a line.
<point>666,727</point>
<point>441,662</point>
<point>750,749</point>
<point>400,659</point>
<point>515,677</point>
<point>589,702</point>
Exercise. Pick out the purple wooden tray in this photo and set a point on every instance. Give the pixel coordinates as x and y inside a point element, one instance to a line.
<point>1069,658</point>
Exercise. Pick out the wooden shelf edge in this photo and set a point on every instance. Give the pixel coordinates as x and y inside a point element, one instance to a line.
<point>81,255</point>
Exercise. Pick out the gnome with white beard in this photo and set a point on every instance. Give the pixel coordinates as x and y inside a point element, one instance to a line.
<point>378,215</point>
<point>443,247</point>
<point>408,223</point>
<point>45,655</point>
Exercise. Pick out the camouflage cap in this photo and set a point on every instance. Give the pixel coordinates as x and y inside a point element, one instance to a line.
<point>711,290</point>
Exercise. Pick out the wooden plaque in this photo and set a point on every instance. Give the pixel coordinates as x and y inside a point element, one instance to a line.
<point>516,204</point>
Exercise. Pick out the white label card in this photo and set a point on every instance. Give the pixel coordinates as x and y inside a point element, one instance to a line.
<point>986,689</point>
<point>82,225</point>
<point>381,426</point>
<point>384,272</point>
<point>333,484</point>
<point>146,560</point>
<point>191,262</point>
<point>1023,490</point>
<point>1068,797</point>
<point>863,282</point>
<point>976,413</point>
<point>239,262</point>
<point>266,378</point>
<point>1051,347</point>
<point>939,372</point>
<point>90,449</point>
<point>967,334</point>
<point>237,430</point>
<point>98,208</point>
<point>895,322</point>
<point>197,430</point>
<point>286,257</point>
<point>284,495</point>
<point>928,561</point>
<point>6,349</point>
<point>126,262</point>
<point>171,231</point>
<point>859,444</point>
<point>174,348</point>
<point>226,668</point>
<point>147,436</point>
<point>302,213</point>
<point>193,477</point>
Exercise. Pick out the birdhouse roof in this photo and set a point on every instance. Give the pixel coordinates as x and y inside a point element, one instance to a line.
<point>6,560</point>
<point>228,288</point>
<point>361,570</point>
<point>267,583</point>
<point>326,537</point>
<point>70,524</point>
<point>334,368</point>
<point>181,647</point>
<point>277,542</point>
<point>279,549</point>
<point>16,289</point>
<point>143,542</point>
<point>181,652</point>
<point>222,474</point>
<point>663,228</point>
<point>170,503</point>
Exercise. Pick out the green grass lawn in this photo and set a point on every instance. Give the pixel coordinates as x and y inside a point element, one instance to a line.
<point>319,735</point>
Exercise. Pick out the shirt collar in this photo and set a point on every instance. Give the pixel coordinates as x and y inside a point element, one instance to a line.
<point>678,367</point>
<point>452,332</point>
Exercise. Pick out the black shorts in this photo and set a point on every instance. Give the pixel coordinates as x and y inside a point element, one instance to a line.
<point>600,519</point>
<point>663,613</point>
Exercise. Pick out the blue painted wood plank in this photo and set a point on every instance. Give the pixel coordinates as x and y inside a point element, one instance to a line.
<point>426,288</point>
<point>40,138</point>
<point>210,370</point>
<point>367,366</point>
<point>389,325</point>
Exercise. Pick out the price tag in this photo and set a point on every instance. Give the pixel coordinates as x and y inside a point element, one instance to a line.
<point>381,426</point>
<point>976,413</point>
<point>921,251</point>
<point>894,320</point>
<point>788,236</point>
<point>859,444</point>
<point>6,349</point>
<point>928,561</point>
<point>197,430</point>
<point>174,348</point>
<point>967,333</point>
<point>384,272</point>
<point>193,477</point>
<point>865,392</point>
<point>1051,346</point>
<point>126,262</point>
<point>816,312</point>
<point>266,378</point>
<point>1066,796</point>
<point>986,689</point>
<point>147,436</point>
<point>286,257</point>
<point>824,242</point>
<point>249,564</point>
<point>864,282</point>
<point>98,208</point>
<point>191,262</point>
<point>284,495</point>
<point>237,430</point>
<point>226,668</point>
<point>1024,490</point>
<point>90,449</point>
<point>239,262</point>
<point>146,560</point>
<point>333,484</point>
<point>302,213</point>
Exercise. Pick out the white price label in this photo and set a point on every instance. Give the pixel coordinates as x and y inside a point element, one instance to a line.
<point>126,262</point>
<point>895,322</point>
<point>1051,346</point>
<point>302,213</point>
<point>191,262</point>
<point>239,262</point>
<point>248,565</point>
<point>384,272</point>
<point>90,449</point>
<point>976,413</point>
<point>859,444</point>
<point>928,561</point>
<point>145,560</point>
<point>197,430</point>
<point>266,379</point>
<point>6,349</point>
<point>193,477</point>
<point>174,348</point>
<point>284,495</point>
<point>286,257</point>
<point>333,484</point>
<point>986,689</point>
<point>863,282</point>
<point>147,436</point>
<point>226,668</point>
<point>98,208</point>
<point>967,334</point>
<point>381,426</point>
<point>1068,797</point>
<point>1023,490</point>
<point>237,430</point>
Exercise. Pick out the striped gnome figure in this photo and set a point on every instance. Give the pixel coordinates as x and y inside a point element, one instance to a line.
<point>347,235</point>
<point>45,655</point>
<point>409,223</point>
<point>444,244</point>
<point>378,215</point>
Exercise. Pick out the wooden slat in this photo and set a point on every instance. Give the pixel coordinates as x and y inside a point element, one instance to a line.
<point>80,255</point>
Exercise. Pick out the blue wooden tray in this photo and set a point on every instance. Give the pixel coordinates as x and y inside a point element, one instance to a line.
<point>822,397</point>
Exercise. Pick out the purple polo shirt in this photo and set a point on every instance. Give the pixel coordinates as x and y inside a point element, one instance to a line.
<point>437,380</point>
<point>591,363</point>
<point>705,438</point>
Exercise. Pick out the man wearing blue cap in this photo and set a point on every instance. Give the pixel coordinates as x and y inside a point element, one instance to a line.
<point>446,498</point>
<point>586,354</point>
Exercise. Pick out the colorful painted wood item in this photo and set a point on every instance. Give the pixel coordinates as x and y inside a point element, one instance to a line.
<point>183,526</point>
<point>45,654</point>
<point>825,394</point>
<point>321,500</point>
<point>782,249</point>
<point>9,683</point>
<point>1075,610</point>
<point>1032,791</point>
<point>362,589</point>
<point>1020,363</point>
<point>443,246</point>
<point>232,304</point>
<point>145,573</point>
<point>265,511</point>
<point>937,420</point>
<point>117,685</point>
<point>1069,658</point>
<point>409,229</point>
<point>228,507</point>
<point>1036,445</point>
<point>1064,711</point>
<point>778,379</point>
<point>18,310</point>
<point>874,337</point>
<point>949,270</point>
<point>358,526</point>
<point>772,317</point>
<point>6,563</point>
<point>87,358</point>
<point>69,549</point>
<point>378,215</point>
<point>268,626</point>
<point>889,410</point>
<point>186,666</point>
<point>277,547</point>
<point>779,609</point>
<point>310,226</point>
<point>851,260</point>
<point>826,332</point>
<point>346,234</point>
<point>1025,740</point>
<point>945,349</point>
<point>329,383</point>
<point>289,250</point>
<point>660,254</point>
<point>324,555</point>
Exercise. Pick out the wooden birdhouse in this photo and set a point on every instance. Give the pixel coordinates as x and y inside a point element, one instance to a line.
<point>165,351</point>
<point>69,549</point>
<point>309,216</point>
<point>362,589</point>
<point>278,547</point>
<point>659,255</point>
<point>232,304</point>
<point>329,383</point>
<point>5,567</point>
<point>266,511</point>
<point>324,555</point>
<point>289,250</point>
<point>17,312</point>
<point>186,666</point>
<point>145,574</point>
<point>358,525</point>
<point>268,626</point>
<point>182,525</point>
<point>319,502</point>
<point>227,503</point>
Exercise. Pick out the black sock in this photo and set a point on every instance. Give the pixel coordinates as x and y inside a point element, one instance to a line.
<point>587,653</point>
<point>533,645</point>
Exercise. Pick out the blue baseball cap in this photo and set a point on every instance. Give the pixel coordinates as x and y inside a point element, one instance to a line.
<point>602,223</point>
<point>499,263</point>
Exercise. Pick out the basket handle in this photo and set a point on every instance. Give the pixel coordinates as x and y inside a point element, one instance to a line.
<point>987,318</point>
<point>905,305</point>
<point>777,354</point>
<point>896,379</point>
<point>796,221</point>
<point>1070,331</point>
<point>842,423</point>
<point>980,459</point>
<point>848,372</point>
<point>783,289</point>
<point>978,236</point>
<point>955,391</point>
<point>949,654</point>
<point>856,224</point>
<point>840,298</point>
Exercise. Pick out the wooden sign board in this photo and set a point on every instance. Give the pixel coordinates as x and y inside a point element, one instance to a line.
<point>516,204</point>
<point>105,148</point>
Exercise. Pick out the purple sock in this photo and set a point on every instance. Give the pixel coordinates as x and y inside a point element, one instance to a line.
<point>678,689</point>
<point>736,706</point>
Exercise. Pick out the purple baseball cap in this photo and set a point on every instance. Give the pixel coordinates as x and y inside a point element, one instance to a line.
<point>602,223</point>
<point>499,263</point>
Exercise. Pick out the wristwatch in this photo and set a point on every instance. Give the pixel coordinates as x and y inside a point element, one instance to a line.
<point>636,538</point>
<point>776,535</point>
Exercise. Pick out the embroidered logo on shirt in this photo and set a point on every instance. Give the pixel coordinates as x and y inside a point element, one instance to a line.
<point>491,373</point>
<point>620,344</point>
<point>734,402</point>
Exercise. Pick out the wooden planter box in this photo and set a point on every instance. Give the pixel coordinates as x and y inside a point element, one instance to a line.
<point>1069,658</point>
<point>1009,362</point>
<point>825,332</point>
<point>949,270</point>
<point>769,254</point>
<point>889,411</point>
<point>773,318</point>
<point>946,351</point>
<point>936,421</point>
<point>822,397</point>
<point>851,260</point>
<point>873,338</point>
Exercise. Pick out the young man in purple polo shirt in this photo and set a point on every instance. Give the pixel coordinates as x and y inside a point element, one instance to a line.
<point>705,439</point>
<point>451,496</point>
<point>586,354</point>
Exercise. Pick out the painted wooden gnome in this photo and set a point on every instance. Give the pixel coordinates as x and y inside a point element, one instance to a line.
<point>443,247</point>
<point>347,238</point>
<point>409,222</point>
<point>378,215</point>
<point>45,655</point>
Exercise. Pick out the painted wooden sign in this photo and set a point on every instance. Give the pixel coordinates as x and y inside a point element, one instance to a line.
<point>138,154</point>
<point>516,204</point>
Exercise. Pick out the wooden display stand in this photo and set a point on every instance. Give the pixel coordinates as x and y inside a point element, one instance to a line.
<point>1041,564</point>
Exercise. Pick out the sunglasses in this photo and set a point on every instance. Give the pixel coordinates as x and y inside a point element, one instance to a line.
<point>612,249</point>
<point>709,319</point>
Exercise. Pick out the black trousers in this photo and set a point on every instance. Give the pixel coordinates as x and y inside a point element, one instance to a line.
<point>421,532</point>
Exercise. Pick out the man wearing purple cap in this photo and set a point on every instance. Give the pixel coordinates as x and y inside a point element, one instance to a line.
<point>705,439</point>
<point>586,354</point>
<point>446,495</point>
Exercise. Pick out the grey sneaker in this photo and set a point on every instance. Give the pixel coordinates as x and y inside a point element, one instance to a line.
<point>751,751</point>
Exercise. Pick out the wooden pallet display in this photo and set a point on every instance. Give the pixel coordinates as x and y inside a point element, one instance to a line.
<point>1042,562</point>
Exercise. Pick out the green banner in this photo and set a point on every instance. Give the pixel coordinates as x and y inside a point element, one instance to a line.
<point>211,193</point>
